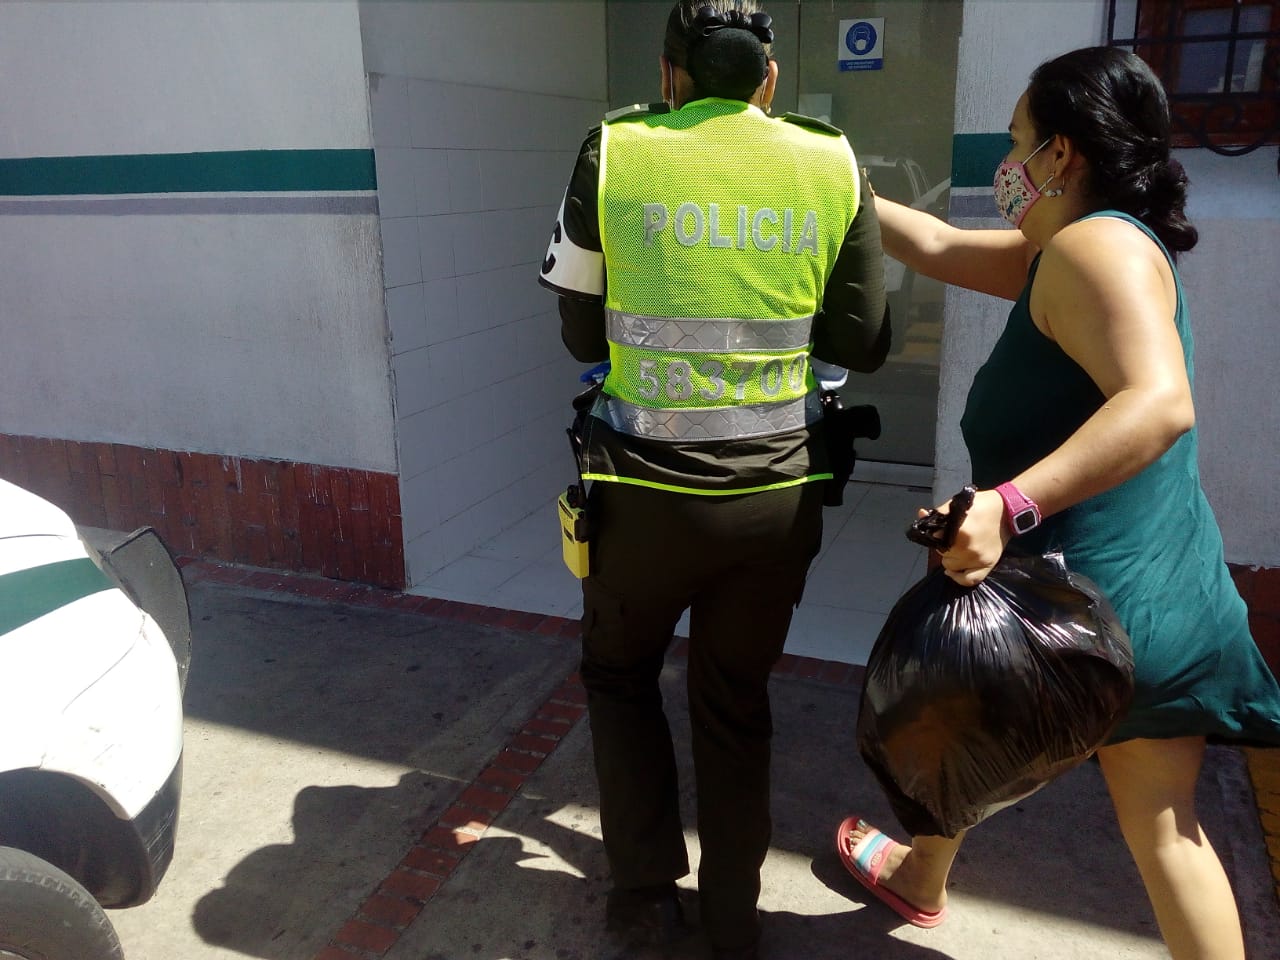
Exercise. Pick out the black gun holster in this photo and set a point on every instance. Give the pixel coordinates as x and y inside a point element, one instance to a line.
<point>843,425</point>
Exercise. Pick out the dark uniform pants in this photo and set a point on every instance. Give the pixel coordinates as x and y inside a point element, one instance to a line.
<point>738,564</point>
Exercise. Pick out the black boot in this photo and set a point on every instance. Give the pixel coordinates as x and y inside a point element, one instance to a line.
<point>650,915</point>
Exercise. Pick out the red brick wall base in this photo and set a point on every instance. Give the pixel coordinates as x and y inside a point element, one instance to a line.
<point>1260,588</point>
<point>332,521</point>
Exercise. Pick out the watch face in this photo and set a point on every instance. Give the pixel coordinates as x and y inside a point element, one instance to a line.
<point>1025,520</point>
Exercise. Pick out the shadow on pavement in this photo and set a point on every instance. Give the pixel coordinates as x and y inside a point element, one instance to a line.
<point>324,740</point>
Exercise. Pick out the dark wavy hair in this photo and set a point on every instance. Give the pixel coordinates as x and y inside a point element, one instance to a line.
<point>1110,104</point>
<point>728,63</point>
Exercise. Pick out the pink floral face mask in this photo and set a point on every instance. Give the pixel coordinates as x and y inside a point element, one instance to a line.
<point>1015,193</point>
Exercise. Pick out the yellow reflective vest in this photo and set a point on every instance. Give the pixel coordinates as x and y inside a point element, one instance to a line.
<point>720,226</point>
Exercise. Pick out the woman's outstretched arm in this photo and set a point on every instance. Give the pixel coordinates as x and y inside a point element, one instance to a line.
<point>989,261</point>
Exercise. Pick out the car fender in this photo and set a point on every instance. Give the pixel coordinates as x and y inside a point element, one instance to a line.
<point>90,686</point>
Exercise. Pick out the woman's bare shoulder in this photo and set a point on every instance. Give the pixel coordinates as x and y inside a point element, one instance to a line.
<point>1099,242</point>
<point>1101,274</point>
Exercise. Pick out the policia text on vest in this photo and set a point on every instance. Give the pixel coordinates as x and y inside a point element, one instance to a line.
<point>763,228</point>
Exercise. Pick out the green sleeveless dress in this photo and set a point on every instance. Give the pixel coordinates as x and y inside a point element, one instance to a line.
<point>1151,544</point>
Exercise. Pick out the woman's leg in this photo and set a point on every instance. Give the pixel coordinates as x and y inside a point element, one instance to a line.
<point>1153,785</point>
<point>917,872</point>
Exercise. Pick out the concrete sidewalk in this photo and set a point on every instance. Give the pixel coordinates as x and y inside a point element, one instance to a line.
<point>375,775</point>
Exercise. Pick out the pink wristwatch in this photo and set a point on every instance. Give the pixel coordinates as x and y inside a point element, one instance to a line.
<point>1021,511</point>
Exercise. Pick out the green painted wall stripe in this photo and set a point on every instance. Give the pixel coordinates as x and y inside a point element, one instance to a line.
<point>27,595</point>
<point>180,204</point>
<point>975,156</point>
<point>229,171</point>
<point>973,162</point>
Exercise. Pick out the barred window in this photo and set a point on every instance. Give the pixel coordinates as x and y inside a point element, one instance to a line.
<point>1219,61</point>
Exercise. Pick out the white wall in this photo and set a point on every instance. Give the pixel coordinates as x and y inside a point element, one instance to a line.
<point>478,112</point>
<point>245,324</point>
<point>256,336</point>
<point>1230,278</point>
<point>159,77</point>
<point>534,46</point>
<point>1233,286</point>
<point>1000,44</point>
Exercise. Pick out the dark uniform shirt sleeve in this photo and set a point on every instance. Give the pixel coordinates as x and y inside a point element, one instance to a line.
<point>853,328</point>
<point>574,265</point>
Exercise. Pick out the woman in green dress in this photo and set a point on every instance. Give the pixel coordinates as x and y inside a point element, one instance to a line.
<point>1081,433</point>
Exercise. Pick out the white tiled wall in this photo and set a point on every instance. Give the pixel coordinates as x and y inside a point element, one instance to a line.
<point>469,181</point>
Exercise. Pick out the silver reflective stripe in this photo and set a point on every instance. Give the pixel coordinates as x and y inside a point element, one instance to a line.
<point>701,336</point>
<point>721,423</point>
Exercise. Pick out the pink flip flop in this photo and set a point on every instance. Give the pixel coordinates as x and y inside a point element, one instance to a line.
<point>866,860</point>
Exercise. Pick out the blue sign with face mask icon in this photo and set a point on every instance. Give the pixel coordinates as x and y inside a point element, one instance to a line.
<point>861,44</point>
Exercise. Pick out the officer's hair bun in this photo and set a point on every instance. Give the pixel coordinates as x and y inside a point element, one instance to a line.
<point>726,52</point>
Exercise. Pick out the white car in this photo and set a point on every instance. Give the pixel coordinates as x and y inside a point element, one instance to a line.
<point>94,648</point>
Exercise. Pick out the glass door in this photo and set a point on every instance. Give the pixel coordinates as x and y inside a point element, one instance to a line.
<point>885,73</point>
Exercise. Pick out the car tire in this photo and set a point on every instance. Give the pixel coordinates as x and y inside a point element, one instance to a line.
<point>46,915</point>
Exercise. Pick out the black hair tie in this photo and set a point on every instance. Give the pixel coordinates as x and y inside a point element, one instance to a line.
<point>708,20</point>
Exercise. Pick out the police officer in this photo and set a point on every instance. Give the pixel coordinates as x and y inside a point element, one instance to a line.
<point>707,250</point>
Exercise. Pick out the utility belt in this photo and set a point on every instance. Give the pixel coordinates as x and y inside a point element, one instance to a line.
<point>842,426</point>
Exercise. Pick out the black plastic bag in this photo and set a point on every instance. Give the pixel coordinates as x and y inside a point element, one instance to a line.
<point>976,697</point>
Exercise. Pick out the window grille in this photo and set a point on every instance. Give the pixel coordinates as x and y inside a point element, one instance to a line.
<point>1219,61</point>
